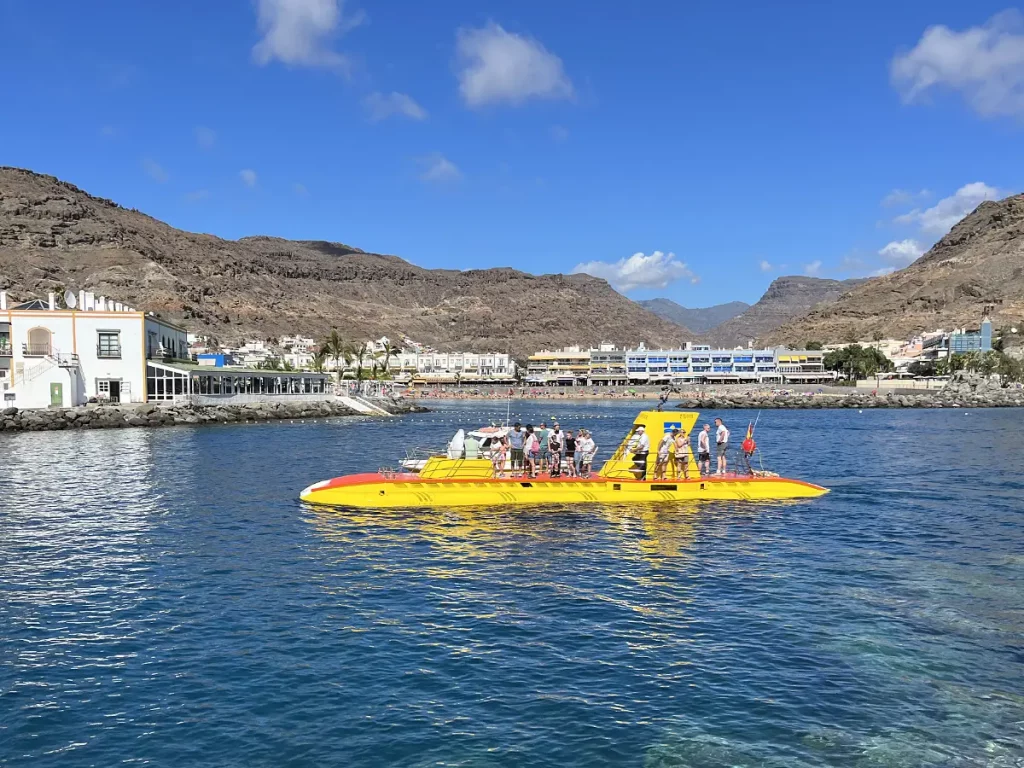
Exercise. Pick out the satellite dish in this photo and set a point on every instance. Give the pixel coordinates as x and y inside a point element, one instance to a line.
<point>70,300</point>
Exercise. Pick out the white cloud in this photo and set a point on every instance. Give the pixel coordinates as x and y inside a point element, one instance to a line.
<point>639,271</point>
<point>498,66</point>
<point>882,271</point>
<point>299,33</point>
<point>248,177</point>
<point>197,196</point>
<point>381,106</point>
<point>205,137</point>
<point>154,170</point>
<point>766,266</point>
<point>439,169</point>
<point>984,64</point>
<point>300,189</point>
<point>901,252</point>
<point>813,269</point>
<point>904,197</point>
<point>851,263</point>
<point>942,216</point>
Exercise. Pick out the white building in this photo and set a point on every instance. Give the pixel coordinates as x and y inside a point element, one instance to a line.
<point>453,367</point>
<point>93,348</point>
<point>252,354</point>
<point>298,351</point>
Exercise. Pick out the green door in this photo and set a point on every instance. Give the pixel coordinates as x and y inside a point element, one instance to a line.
<point>57,394</point>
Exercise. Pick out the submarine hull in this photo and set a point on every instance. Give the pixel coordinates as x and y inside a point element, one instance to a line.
<point>375,491</point>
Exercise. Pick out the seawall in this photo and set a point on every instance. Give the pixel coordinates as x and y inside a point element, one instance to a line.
<point>113,417</point>
<point>1009,398</point>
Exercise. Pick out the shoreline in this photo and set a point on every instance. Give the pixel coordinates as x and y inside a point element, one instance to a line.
<point>150,415</point>
<point>945,398</point>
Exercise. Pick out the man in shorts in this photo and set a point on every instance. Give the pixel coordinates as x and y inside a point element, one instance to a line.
<point>587,448</point>
<point>640,447</point>
<point>515,441</point>
<point>704,451</point>
<point>722,444</point>
<point>542,437</point>
<point>682,455</point>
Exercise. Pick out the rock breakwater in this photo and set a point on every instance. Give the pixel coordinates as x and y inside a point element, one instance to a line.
<point>944,398</point>
<point>149,415</point>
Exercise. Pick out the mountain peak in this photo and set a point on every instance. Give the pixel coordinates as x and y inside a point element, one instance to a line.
<point>978,265</point>
<point>700,319</point>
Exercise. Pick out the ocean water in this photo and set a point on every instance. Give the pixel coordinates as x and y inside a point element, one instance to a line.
<point>165,600</point>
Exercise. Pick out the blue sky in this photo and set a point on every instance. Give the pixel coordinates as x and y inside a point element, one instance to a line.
<point>724,144</point>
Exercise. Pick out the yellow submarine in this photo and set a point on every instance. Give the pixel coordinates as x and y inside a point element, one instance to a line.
<point>460,482</point>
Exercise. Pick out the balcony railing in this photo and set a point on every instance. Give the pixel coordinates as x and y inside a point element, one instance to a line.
<point>36,350</point>
<point>108,353</point>
<point>6,350</point>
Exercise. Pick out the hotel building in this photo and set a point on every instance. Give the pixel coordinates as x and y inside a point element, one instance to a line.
<point>453,367</point>
<point>696,364</point>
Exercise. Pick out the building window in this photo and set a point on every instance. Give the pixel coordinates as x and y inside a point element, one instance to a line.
<point>38,343</point>
<point>108,345</point>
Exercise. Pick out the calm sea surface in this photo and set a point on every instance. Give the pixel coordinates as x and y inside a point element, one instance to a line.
<point>165,600</point>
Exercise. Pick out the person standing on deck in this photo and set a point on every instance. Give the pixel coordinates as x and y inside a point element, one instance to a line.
<point>531,451</point>
<point>682,455</point>
<point>571,444</point>
<point>515,440</point>
<point>498,456</point>
<point>722,443</point>
<point>587,448</point>
<point>555,445</point>
<point>640,447</point>
<point>661,463</point>
<point>704,451</point>
<point>542,439</point>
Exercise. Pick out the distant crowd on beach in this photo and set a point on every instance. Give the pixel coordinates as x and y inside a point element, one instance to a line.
<point>597,393</point>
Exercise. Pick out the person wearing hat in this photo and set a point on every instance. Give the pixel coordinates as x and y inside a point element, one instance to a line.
<point>587,448</point>
<point>640,447</point>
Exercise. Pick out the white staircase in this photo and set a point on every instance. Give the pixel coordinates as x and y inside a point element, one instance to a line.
<point>29,373</point>
<point>362,405</point>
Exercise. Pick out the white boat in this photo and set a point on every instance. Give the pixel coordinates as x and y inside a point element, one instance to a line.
<point>477,444</point>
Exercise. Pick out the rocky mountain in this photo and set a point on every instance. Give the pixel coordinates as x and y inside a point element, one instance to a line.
<point>700,319</point>
<point>55,236</point>
<point>980,263</point>
<point>785,299</point>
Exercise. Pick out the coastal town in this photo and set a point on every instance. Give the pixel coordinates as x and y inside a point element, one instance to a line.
<point>78,348</point>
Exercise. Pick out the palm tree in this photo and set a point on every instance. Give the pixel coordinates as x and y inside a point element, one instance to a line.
<point>320,358</point>
<point>335,348</point>
<point>389,351</point>
<point>360,355</point>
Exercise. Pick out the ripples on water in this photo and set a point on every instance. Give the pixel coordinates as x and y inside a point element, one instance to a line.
<point>167,601</point>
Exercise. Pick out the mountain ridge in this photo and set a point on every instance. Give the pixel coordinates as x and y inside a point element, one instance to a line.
<point>698,319</point>
<point>786,298</point>
<point>55,235</point>
<point>978,264</point>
